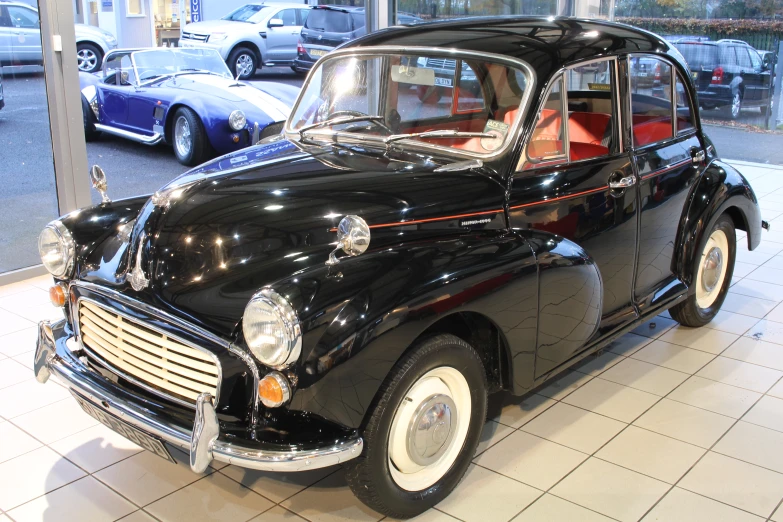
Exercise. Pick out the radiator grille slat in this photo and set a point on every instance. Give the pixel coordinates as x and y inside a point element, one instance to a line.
<point>147,356</point>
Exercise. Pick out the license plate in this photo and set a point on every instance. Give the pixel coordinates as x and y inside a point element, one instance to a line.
<point>643,74</point>
<point>138,437</point>
<point>446,82</point>
<point>317,52</point>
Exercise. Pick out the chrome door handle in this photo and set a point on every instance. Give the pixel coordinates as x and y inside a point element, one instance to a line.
<point>623,183</point>
<point>698,157</point>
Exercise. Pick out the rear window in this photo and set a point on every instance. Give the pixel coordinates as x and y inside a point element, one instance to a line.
<point>329,21</point>
<point>699,55</point>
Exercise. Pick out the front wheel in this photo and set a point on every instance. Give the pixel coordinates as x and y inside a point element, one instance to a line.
<point>712,276</point>
<point>190,142</point>
<point>421,435</point>
<point>88,57</point>
<point>243,63</point>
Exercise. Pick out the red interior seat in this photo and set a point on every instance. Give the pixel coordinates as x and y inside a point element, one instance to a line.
<point>548,127</point>
<point>649,129</point>
<point>587,127</point>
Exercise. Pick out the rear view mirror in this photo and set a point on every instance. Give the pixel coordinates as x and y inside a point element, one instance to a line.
<point>275,22</point>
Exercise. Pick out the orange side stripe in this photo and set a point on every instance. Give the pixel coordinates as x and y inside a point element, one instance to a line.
<point>665,169</point>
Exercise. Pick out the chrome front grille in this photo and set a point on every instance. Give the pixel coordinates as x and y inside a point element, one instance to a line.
<point>193,36</point>
<point>145,356</point>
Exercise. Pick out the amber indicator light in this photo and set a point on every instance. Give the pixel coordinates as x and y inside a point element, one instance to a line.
<point>57,296</point>
<point>272,390</point>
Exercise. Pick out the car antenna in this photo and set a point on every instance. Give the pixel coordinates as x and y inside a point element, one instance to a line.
<point>237,84</point>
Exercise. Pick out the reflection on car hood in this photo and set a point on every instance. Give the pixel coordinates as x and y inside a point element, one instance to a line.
<point>215,26</point>
<point>85,30</point>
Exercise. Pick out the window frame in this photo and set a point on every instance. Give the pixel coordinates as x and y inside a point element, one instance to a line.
<point>142,9</point>
<point>676,75</point>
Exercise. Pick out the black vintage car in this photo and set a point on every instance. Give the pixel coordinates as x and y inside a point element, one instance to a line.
<point>351,290</point>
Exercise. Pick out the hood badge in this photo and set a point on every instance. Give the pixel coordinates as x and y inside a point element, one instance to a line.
<point>137,279</point>
<point>353,238</point>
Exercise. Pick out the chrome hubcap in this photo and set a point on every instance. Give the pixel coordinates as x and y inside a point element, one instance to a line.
<point>431,429</point>
<point>86,59</point>
<point>711,271</point>
<point>182,138</point>
<point>244,65</point>
<point>735,105</point>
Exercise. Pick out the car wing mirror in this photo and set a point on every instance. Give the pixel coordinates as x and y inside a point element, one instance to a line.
<point>99,183</point>
<point>275,22</point>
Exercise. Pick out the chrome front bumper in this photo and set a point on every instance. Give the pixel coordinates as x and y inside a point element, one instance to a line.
<point>53,357</point>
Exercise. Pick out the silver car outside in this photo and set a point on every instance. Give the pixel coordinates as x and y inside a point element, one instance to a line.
<point>268,38</point>
<point>20,39</point>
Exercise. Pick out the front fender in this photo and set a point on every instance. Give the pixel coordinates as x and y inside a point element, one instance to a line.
<point>371,309</point>
<point>720,188</point>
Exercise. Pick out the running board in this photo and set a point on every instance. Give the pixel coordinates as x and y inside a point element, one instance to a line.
<point>138,138</point>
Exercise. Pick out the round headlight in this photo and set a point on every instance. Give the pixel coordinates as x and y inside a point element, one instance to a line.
<point>57,249</point>
<point>236,120</point>
<point>271,329</point>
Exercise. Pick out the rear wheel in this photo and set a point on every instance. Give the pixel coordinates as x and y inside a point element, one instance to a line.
<point>191,146</point>
<point>735,109</point>
<point>712,276</point>
<point>421,435</point>
<point>243,63</point>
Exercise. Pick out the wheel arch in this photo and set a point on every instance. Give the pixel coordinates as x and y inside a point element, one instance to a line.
<point>168,125</point>
<point>250,45</point>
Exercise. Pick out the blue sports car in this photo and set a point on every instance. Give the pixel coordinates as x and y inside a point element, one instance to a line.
<point>183,97</point>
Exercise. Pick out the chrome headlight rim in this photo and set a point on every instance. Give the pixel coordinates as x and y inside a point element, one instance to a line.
<point>237,120</point>
<point>286,314</point>
<point>69,247</point>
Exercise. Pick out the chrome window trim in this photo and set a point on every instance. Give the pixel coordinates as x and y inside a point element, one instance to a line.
<point>456,54</point>
<point>557,76</point>
<point>672,99</point>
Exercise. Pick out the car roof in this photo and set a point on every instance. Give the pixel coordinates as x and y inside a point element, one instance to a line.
<point>545,43</point>
<point>343,8</point>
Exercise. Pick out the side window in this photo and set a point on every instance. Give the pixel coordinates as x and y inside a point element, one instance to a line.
<point>288,16</point>
<point>358,20</point>
<point>755,59</point>
<point>591,111</point>
<point>5,18</point>
<point>728,56</point>
<point>303,16</point>
<point>546,143</point>
<point>470,97</point>
<point>651,102</point>
<point>684,112</point>
<point>21,17</point>
<point>743,57</point>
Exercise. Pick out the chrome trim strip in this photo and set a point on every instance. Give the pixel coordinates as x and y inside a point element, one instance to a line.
<point>76,318</point>
<point>69,370</point>
<point>456,54</point>
<point>139,138</point>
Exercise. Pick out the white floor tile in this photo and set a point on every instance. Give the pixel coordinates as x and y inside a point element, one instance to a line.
<point>704,339</point>
<point>213,498</point>
<point>754,444</point>
<point>612,400</point>
<point>683,506</point>
<point>330,500</point>
<point>36,395</point>
<point>25,359</point>
<point>145,477</point>
<point>766,330</point>
<point>685,423</point>
<point>756,352</point>
<point>532,460</point>
<point>761,289</point>
<point>628,344</point>
<point>597,364</point>
<point>517,412</point>
<point>673,356</point>
<point>611,490</point>
<point>95,448</point>
<point>15,442</point>
<point>767,412</point>
<point>764,273</point>
<point>655,327</point>
<point>31,304</point>
<point>574,427</point>
<point>85,500</point>
<point>11,372</point>
<point>651,454</point>
<point>10,322</point>
<point>20,286</point>
<point>745,305</point>
<point>32,475</point>
<point>644,376</point>
<point>486,496</point>
<point>279,514</point>
<point>744,269</point>
<point>777,313</point>
<point>731,322</point>
<point>742,374</point>
<point>276,486</point>
<point>777,390</point>
<point>492,433</point>
<point>715,396</point>
<point>736,483</point>
<point>562,386</point>
<point>55,421</point>
<point>550,508</point>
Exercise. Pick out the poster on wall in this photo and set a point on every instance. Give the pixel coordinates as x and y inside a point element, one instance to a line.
<point>195,11</point>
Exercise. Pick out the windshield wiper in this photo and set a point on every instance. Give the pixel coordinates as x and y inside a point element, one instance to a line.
<point>438,134</point>
<point>337,121</point>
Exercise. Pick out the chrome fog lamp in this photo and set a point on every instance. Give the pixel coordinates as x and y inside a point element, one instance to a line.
<point>57,249</point>
<point>237,120</point>
<point>271,329</point>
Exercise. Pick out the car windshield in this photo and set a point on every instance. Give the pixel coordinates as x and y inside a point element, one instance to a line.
<point>329,21</point>
<point>698,55</point>
<point>161,62</point>
<point>248,13</point>
<point>461,104</point>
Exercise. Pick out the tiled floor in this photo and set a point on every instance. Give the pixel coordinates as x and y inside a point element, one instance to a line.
<point>667,424</point>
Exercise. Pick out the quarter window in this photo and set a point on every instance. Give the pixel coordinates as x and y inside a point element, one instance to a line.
<point>288,16</point>
<point>743,57</point>
<point>651,100</point>
<point>684,112</point>
<point>546,143</point>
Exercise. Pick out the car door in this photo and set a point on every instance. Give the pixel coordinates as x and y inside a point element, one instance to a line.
<point>115,93</point>
<point>563,188</point>
<point>281,40</point>
<point>761,77</point>
<point>6,36</point>
<point>26,34</point>
<point>750,80</point>
<point>664,150</point>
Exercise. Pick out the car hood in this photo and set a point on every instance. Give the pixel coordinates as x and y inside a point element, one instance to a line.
<point>85,30</point>
<point>267,213</point>
<point>216,26</point>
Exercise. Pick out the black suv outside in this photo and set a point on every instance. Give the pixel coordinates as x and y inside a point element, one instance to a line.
<point>729,75</point>
<point>325,28</point>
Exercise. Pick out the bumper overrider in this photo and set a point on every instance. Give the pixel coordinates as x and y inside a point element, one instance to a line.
<point>104,400</point>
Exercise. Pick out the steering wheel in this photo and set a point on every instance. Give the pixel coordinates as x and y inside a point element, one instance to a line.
<point>349,112</point>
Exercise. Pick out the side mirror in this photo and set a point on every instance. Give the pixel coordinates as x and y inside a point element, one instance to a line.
<point>99,183</point>
<point>275,22</point>
<point>353,238</point>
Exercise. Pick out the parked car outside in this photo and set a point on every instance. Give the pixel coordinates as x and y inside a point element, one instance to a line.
<point>251,36</point>
<point>352,290</point>
<point>20,39</point>
<point>729,75</point>
<point>2,98</point>
<point>183,97</point>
